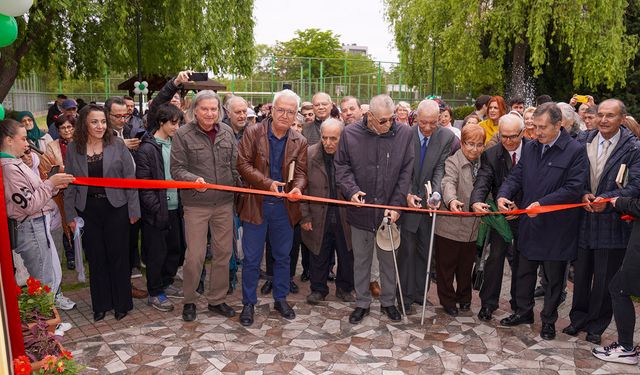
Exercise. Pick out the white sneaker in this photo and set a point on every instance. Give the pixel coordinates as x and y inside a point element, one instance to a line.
<point>173,292</point>
<point>616,353</point>
<point>179,273</point>
<point>64,303</point>
<point>135,273</point>
<point>62,328</point>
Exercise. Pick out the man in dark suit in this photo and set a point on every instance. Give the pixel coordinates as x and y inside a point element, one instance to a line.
<point>603,236</point>
<point>495,165</point>
<point>551,171</point>
<point>432,145</point>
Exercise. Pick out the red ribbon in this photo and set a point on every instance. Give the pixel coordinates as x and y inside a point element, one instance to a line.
<point>128,183</point>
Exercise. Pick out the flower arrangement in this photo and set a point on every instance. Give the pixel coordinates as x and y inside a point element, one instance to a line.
<point>37,301</point>
<point>44,354</point>
<point>62,364</point>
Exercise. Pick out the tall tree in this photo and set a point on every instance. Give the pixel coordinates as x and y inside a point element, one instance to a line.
<point>476,40</point>
<point>87,37</point>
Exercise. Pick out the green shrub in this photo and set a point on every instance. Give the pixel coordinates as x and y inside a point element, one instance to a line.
<point>459,113</point>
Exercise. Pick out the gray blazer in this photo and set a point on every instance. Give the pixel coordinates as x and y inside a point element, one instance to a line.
<point>438,151</point>
<point>117,163</point>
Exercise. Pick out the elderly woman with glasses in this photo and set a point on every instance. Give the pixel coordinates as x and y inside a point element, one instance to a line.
<point>455,236</point>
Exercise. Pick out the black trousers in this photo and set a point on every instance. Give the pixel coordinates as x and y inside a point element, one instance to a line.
<point>295,250</point>
<point>623,311</point>
<point>412,261</point>
<point>164,249</point>
<point>333,240</point>
<point>527,276</point>
<point>69,251</point>
<point>454,261</point>
<point>591,309</point>
<point>134,253</point>
<point>106,246</point>
<point>494,270</point>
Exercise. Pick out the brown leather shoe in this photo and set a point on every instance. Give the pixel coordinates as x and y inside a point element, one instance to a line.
<point>138,293</point>
<point>375,289</point>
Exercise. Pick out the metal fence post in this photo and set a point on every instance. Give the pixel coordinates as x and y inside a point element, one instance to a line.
<point>379,78</point>
<point>321,76</point>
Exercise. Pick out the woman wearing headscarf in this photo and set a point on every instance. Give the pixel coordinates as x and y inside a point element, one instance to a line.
<point>39,138</point>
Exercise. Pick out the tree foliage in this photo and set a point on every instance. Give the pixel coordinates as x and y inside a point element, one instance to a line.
<point>476,40</point>
<point>87,37</point>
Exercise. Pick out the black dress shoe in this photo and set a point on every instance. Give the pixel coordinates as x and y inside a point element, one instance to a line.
<point>515,319</point>
<point>465,306</point>
<point>284,309</point>
<point>120,315</point>
<point>548,331</point>
<point>293,287</point>
<point>485,314</point>
<point>571,330</point>
<point>266,287</point>
<point>407,309</point>
<point>98,316</point>
<point>594,338</point>
<point>305,276</point>
<point>246,316</point>
<point>453,311</point>
<point>189,312</point>
<point>538,292</point>
<point>71,264</point>
<point>222,309</point>
<point>391,312</point>
<point>358,314</point>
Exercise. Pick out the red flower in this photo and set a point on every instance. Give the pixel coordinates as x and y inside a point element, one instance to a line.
<point>60,367</point>
<point>18,290</point>
<point>67,355</point>
<point>21,365</point>
<point>31,281</point>
<point>47,289</point>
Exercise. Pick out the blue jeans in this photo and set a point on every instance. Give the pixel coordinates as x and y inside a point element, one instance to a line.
<point>275,220</point>
<point>35,250</point>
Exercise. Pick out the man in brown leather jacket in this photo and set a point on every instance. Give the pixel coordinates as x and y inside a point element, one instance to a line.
<point>273,157</point>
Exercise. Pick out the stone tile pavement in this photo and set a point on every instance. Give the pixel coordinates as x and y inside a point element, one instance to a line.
<point>322,341</point>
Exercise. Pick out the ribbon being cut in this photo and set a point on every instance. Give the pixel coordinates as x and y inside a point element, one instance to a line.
<point>128,183</point>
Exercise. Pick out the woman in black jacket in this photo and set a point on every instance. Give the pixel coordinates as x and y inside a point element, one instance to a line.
<point>623,285</point>
<point>162,234</point>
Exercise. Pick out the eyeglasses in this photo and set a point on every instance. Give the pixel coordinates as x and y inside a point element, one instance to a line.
<point>65,128</point>
<point>510,137</point>
<point>471,146</point>
<point>120,117</point>
<point>383,120</point>
<point>281,111</point>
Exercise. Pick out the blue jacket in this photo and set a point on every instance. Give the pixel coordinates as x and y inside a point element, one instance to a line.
<point>558,177</point>
<point>605,230</point>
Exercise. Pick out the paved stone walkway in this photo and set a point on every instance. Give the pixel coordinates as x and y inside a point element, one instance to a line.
<point>321,341</point>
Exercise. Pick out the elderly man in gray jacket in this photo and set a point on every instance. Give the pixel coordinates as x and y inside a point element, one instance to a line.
<point>432,146</point>
<point>205,151</point>
<point>373,165</point>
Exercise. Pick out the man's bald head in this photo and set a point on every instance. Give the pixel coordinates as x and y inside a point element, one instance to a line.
<point>428,107</point>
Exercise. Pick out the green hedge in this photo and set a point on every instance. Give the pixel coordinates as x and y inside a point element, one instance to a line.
<point>459,113</point>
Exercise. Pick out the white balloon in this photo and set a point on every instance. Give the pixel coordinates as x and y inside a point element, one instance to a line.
<point>137,91</point>
<point>15,8</point>
<point>136,84</point>
<point>145,84</point>
<point>145,91</point>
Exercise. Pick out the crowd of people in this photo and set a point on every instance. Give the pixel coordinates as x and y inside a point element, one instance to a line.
<point>501,157</point>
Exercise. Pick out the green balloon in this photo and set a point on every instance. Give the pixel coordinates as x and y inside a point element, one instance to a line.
<point>8,30</point>
<point>1,112</point>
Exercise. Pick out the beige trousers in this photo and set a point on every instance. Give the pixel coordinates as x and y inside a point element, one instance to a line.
<point>219,219</point>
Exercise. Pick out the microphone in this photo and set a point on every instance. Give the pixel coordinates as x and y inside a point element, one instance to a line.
<point>34,147</point>
<point>434,199</point>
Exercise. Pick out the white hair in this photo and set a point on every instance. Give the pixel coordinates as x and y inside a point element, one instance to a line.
<point>204,95</point>
<point>510,118</point>
<point>332,122</point>
<point>380,103</point>
<point>404,105</point>
<point>320,93</point>
<point>233,99</point>
<point>429,106</point>
<point>286,94</point>
<point>569,114</point>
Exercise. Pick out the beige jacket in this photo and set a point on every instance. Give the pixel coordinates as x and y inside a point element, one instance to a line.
<point>26,195</point>
<point>457,183</point>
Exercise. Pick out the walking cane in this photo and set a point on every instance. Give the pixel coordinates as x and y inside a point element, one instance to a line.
<point>434,199</point>
<point>395,264</point>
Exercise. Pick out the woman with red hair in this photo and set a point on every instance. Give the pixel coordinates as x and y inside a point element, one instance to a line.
<point>496,108</point>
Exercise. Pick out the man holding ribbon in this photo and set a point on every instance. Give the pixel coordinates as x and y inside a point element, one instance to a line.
<point>551,171</point>
<point>432,146</point>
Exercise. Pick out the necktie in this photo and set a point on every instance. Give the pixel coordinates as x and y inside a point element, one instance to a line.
<point>513,159</point>
<point>423,151</point>
<point>602,158</point>
<point>545,149</point>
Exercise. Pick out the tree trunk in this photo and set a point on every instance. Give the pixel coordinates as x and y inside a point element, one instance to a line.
<point>518,85</point>
<point>8,74</point>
